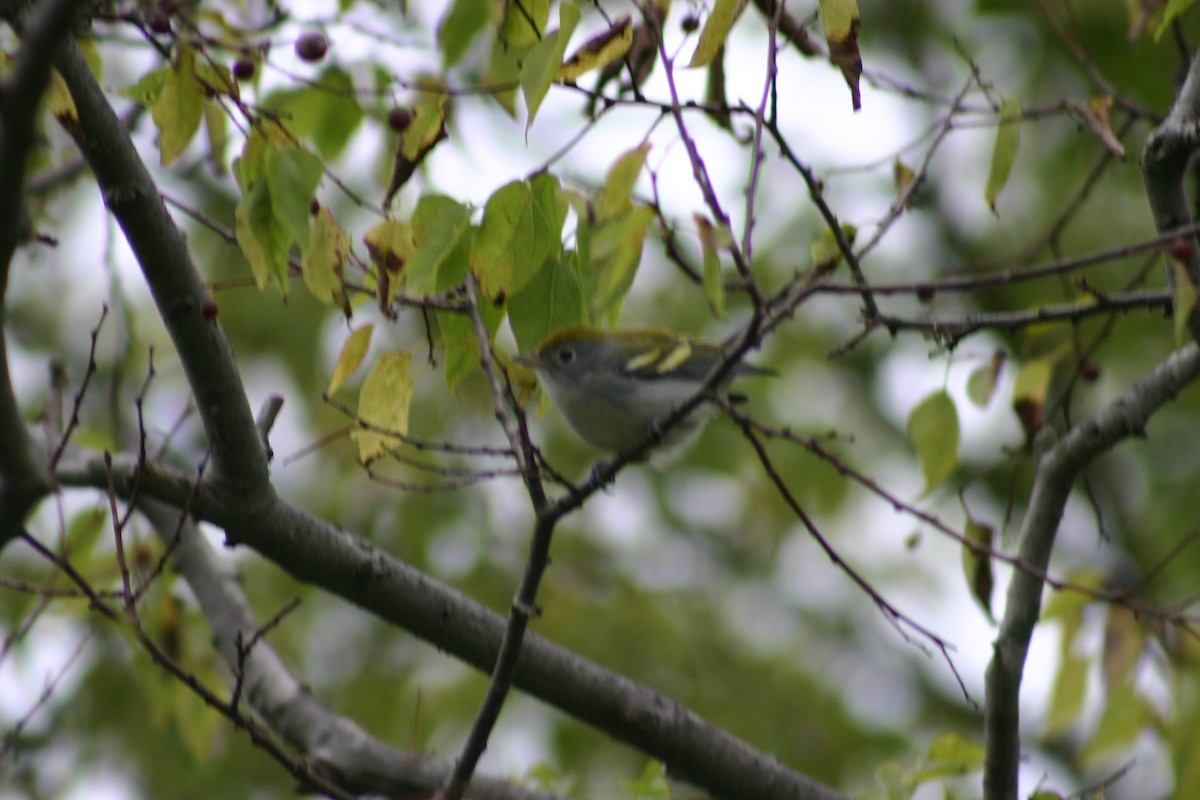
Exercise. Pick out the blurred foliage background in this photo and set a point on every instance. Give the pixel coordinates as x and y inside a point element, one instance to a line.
<point>696,579</point>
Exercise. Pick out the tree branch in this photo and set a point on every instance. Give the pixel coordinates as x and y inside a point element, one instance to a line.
<point>239,462</point>
<point>317,552</point>
<point>333,746</point>
<point>23,479</point>
<point>1057,468</point>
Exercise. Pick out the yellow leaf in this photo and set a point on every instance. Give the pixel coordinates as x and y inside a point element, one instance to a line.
<point>933,431</point>
<point>383,405</point>
<point>598,51</point>
<point>840,20</point>
<point>178,110</point>
<point>353,351</point>
<point>716,31</point>
<point>321,265</point>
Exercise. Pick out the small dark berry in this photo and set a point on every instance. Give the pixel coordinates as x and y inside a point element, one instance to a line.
<point>925,293</point>
<point>399,119</point>
<point>312,46</point>
<point>168,6</point>
<point>690,23</point>
<point>208,309</point>
<point>314,207</point>
<point>243,69</point>
<point>1182,249</point>
<point>1089,371</point>
<point>159,21</point>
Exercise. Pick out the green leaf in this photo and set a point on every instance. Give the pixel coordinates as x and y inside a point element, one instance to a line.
<point>552,300</point>
<point>1125,716</point>
<point>933,431</point>
<point>1067,696</point>
<point>179,107</point>
<point>981,384</point>
<point>712,241</point>
<point>616,195</point>
<point>292,176</point>
<point>825,252</point>
<point>327,112</point>
<point>148,88</point>
<point>977,567</point>
<point>459,26</point>
<point>949,755</point>
<point>460,345</point>
<point>520,231</point>
<point>263,240</point>
<point>615,250</point>
<point>322,262</point>
<point>541,66</point>
<point>1004,152</point>
<point>523,26</point>
<point>384,404</point>
<point>1185,299</point>
<point>216,126</point>
<point>354,349</point>
<point>716,30</point>
<point>1173,11</point>
<point>438,226</point>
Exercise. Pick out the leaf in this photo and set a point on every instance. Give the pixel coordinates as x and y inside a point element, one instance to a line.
<point>521,229</point>
<point>552,300</point>
<point>459,26</point>
<point>390,245</point>
<point>599,51</point>
<point>1030,388</point>
<point>423,133</point>
<point>1173,11</point>
<point>384,404</point>
<point>1067,696</point>
<point>322,262</point>
<point>523,26</point>
<point>977,567</point>
<point>840,20</point>
<point>179,107</point>
<point>1004,152</point>
<point>216,127</point>
<point>1184,298</point>
<point>1124,645</point>
<point>712,242</point>
<point>933,431</point>
<point>615,197</point>
<point>57,98</point>
<point>949,755</point>
<point>263,241</point>
<point>716,30</point>
<point>615,250</point>
<point>292,175</point>
<point>824,250</point>
<point>327,112</point>
<point>541,66</point>
<point>438,226</point>
<point>1125,716</point>
<point>354,349</point>
<point>981,384</point>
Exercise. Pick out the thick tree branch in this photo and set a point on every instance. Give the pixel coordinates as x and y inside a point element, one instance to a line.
<point>23,479</point>
<point>319,553</point>
<point>240,464</point>
<point>1057,469</point>
<point>1169,149</point>
<point>333,746</point>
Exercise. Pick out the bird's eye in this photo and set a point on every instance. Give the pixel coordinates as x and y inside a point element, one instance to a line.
<point>566,356</point>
